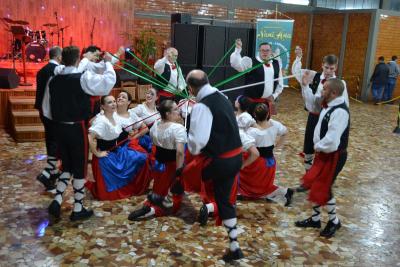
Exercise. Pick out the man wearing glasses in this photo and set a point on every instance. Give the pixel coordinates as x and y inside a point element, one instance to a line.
<point>269,72</point>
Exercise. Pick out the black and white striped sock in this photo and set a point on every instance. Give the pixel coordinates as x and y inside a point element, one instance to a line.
<point>331,208</point>
<point>230,225</point>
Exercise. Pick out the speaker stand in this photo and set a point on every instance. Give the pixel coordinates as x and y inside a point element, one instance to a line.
<point>25,83</point>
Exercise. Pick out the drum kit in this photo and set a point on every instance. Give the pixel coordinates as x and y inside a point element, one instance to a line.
<point>37,41</point>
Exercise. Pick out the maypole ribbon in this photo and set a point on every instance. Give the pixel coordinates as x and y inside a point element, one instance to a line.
<point>148,67</point>
<point>255,84</point>
<point>222,59</point>
<point>237,75</point>
<point>177,79</point>
<point>157,82</point>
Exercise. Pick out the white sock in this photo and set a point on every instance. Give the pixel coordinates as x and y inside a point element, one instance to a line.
<point>230,225</point>
<point>79,193</point>
<point>280,191</point>
<point>331,208</point>
<point>316,215</point>
<point>150,213</point>
<point>210,207</point>
<point>62,184</point>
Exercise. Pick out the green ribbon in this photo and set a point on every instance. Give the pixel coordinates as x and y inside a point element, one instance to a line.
<point>237,75</point>
<point>222,59</point>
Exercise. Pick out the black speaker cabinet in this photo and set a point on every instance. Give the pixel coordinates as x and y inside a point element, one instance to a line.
<point>183,18</point>
<point>214,48</point>
<point>217,76</point>
<point>238,33</point>
<point>185,39</point>
<point>8,79</point>
<point>229,72</point>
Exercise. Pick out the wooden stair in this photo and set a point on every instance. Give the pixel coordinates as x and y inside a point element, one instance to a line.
<point>26,124</point>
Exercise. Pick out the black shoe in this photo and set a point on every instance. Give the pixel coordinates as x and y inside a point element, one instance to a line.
<point>288,196</point>
<point>203,215</point>
<point>136,214</point>
<point>330,229</point>
<point>81,215</point>
<point>48,184</point>
<point>301,189</point>
<point>155,199</point>
<point>54,209</point>
<point>308,223</point>
<point>232,256</point>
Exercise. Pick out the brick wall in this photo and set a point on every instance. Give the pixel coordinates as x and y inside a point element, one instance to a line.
<point>355,53</point>
<point>389,42</point>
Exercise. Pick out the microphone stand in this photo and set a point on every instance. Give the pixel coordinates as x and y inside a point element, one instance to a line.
<point>91,32</point>
<point>58,29</point>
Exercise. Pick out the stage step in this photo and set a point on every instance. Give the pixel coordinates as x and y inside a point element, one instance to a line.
<point>21,102</point>
<point>21,117</point>
<point>29,133</point>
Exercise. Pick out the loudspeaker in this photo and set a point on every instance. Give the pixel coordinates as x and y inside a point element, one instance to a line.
<point>214,48</point>
<point>183,18</point>
<point>8,79</point>
<point>185,39</point>
<point>232,95</point>
<point>217,76</point>
<point>237,33</point>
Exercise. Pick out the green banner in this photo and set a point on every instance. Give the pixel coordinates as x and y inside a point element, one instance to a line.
<point>279,34</point>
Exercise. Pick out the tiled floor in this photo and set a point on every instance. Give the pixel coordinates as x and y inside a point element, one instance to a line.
<point>367,194</point>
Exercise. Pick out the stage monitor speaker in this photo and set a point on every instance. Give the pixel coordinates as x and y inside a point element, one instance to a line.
<point>8,79</point>
<point>185,39</point>
<point>214,48</point>
<point>237,33</point>
<point>183,18</point>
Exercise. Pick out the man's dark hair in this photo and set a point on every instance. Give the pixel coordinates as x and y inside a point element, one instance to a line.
<point>197,83</point>
<point>264,43</point>
<point>70,55</point>
<point>394,58</point>
<point>330,59</point>
<point>55,52</point>
<point>92,49</point>
<point>381,58</point>
<point>336,85</point>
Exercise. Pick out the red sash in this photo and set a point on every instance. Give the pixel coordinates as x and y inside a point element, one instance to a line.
<point>165,93</point>
<point>319,178</point>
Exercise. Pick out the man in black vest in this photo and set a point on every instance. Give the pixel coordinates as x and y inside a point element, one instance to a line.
<point>331,138</point>
<point>171,72</point>
<point>269,72</point>
<point>214,133</point>
<point>50,173</point>
<point>70,93</point>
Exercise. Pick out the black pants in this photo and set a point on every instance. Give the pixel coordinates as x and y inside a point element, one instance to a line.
<point>223,172</point>
<point>339,166</point>
<point>73,147</point>
<point>312,121</point>
<point>50,136</point>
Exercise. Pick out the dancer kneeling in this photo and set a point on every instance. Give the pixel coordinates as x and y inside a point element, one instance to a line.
<point>119,171</point>
<point>257,178</point>
<point>169,137</point>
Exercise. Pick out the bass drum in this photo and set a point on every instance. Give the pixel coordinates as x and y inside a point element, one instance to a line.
<point>35,52</point>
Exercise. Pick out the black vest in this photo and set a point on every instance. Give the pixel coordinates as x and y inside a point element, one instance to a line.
<point>166,74</point>
<point>344,139</point>
<point>68,101</point>
<point>224,134</point>
<point>315,83</point>
<point>257,75</point>
<point>42,77</point>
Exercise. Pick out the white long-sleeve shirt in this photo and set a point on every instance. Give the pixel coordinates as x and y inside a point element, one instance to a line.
<point>313,101</point>
<point>337,124</point>
<point>176,74</point>
<point>91,83</point>
<point>201,120</point>
<point>240,64</point>
<point>97,67</point>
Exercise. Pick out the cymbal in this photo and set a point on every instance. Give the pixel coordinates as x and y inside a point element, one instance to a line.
<point>21,22</point>
<point>50,25</point>
<point>8,20</point>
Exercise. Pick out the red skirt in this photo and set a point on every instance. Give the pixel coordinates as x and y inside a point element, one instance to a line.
<point>319,178</point>
<point>257,179</point>
<point>137,187</point>
<point>193,182</point>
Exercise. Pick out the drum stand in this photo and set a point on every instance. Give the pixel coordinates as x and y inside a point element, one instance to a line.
<point>25,83</point>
